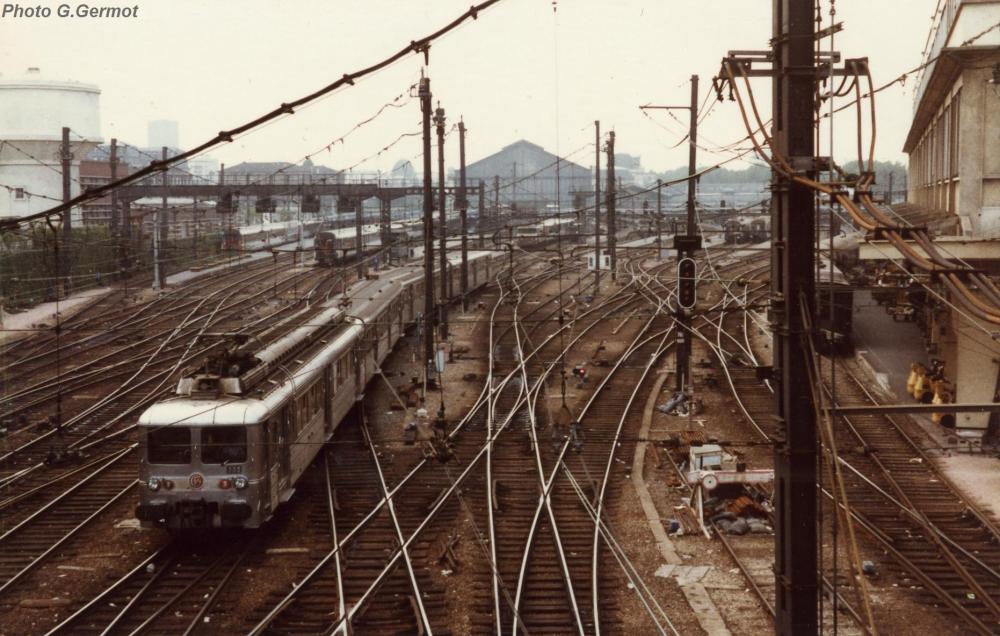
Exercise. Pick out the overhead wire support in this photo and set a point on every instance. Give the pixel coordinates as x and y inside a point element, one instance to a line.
<point>439,122</point>
<point>793,211</point>
<point>419,46</point>
<point>427,331</point>
<point>597,205</point>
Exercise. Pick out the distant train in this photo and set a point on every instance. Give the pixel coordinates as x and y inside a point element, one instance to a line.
<point>834,324</point>
<point>747,229</point>
<point>335,246</point>
<point>232,443</point>
<point>251,238</point>
<point>548,228</point>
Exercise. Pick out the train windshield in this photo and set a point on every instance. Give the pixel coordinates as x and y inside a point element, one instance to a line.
<point>223,444</point>
<point>169,445</point>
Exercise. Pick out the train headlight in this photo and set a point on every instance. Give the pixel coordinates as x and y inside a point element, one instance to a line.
<point>240,482</point>
<point>153,483</point>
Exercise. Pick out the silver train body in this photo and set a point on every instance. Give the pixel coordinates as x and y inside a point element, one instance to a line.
<point>264,235</point>
<point>548,228</point>
<point>221,455</point>
<point>335,246</point>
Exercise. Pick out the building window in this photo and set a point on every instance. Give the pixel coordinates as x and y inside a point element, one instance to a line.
<point>18,193</point>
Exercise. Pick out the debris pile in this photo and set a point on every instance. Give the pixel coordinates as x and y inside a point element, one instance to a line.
<point>739,515</point>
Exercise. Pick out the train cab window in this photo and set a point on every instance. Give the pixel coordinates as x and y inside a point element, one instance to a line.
<point>169,445</point>
<point>223,444</point>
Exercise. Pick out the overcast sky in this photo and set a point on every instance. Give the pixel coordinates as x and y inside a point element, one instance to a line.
<point>519,71</point>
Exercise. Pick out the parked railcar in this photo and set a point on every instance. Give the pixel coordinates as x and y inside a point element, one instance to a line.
<point>759,229</point>
<point>232,443</point>
<point>834,324</point>
<point>747,229</point>
<point>250,238</point>
<point>335,246</point>
<point>733,232</point>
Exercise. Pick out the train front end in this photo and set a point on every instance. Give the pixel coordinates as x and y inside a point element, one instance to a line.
<point>199,466</point>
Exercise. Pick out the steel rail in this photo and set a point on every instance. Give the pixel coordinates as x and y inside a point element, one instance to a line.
<point>134,600</point>
<point>124,388</point>
<point>425,625</point>
<point>909,565</point>
<point>547,484</point>
<point>980,516</point>
<point>331,510</point>
<point>121,392</point>
<point>931,531</point>
<point>442,499</point>
<point>178,302</point>
<point>72,618</point>
<point>564,566</point>
<point>491,408</point>
<point>10,501</point>
<point>73,531</point>
<point>599,509</point>
<point>214,594</point>
<point>164,606</point>
<point>288,599</point>
<point>646,595</point>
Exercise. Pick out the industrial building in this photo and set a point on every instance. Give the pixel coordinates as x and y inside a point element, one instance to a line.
<point>36,109</point>
<point>528,177</point>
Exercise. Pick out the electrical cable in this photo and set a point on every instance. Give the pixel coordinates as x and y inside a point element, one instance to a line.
<point>420,46</point>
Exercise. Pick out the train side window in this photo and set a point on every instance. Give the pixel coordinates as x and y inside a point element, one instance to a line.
<point>223,444</point>
<point>169,445</point>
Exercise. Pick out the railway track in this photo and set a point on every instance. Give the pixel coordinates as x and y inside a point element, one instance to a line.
<point>193,584</point>
<point>46,507</point>
<point>565,578</point>
<point>88,365</point>
<point>909,511</point>
<point>101,324</point>
<point>901,500</point>
<point>421,505</point>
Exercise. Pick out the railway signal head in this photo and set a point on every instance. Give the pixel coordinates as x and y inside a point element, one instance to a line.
<point>686,272</point>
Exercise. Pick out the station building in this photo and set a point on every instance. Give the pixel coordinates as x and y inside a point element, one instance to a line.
<point>954,165</point>
<point>954,184</point>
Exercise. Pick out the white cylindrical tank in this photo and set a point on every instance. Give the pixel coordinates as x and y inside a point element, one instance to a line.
<point>35,110</point>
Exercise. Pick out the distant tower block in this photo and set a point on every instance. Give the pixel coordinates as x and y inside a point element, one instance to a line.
<point>164,132</point>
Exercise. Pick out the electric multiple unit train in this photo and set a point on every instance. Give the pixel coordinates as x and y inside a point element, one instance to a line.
<point>229,447</point>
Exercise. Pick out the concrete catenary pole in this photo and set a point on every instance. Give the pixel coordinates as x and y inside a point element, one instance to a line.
<point>597,204</point>
<point>687,247</point>
<point>359,248</point>
<point>65,273</point>
<point>612,212</point>
<point>496,203</point>
<point>482,212</point>
<point>463,211</point>
<point>439,120</point>
<point>114,221</point>
<point>385,222</point>
<point>425,108</point>
<point>692,156</point>
<point>659,219</point>
<point>155,234</point>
